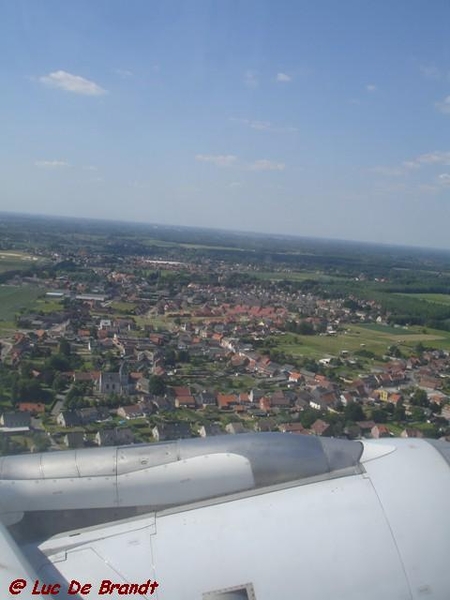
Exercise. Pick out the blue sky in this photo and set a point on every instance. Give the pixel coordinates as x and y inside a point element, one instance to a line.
<point>315,118</point>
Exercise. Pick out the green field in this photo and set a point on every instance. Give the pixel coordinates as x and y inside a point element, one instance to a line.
<point>358,337</point>
<point>48,305</point>
<point>293,276</point>
<point>12,261</point>
<point>14,298</point>
<point>389,330</point>
<point>435,298</point>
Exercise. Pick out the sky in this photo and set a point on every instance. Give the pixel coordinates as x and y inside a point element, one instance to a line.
<point>308,117</point>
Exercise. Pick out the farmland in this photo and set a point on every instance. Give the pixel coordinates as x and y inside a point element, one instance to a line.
<point>357,337</point>
<point>15,298</point>
<point>12,261</point>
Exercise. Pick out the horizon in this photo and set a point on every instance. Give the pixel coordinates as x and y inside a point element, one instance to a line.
<point>231,232</point>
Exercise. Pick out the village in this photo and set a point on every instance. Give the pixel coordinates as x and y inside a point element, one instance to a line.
<point>164,349</point>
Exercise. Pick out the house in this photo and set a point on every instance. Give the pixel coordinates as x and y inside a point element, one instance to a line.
<point>179,390</point>
<point>162,403</point>
<point>16,420</point>
<point>295,377</point>
<point>185,402</point>
<point>445,412</point>
<point>410,432</point>
<point>266,424</point>
<point>142,385</point>
<point>319,427</point>
<point>264,404</point>
<point>114,383</point>
<point>293,428</point>
<point>93,414</point>
<point>279,400</point>
<point>205,399</point>
<point>380,431</point>
<point>172,431</point>
<point>74,439</point>
<point>114,437</point>
<point>34,408</point>
<point>323,398</point>
<point>396,399</point>
<point>235,427</point>
<point>210,429</point>
<point>131,412</point>
<point>366,427</point>
<point>225,401</point>
<point>68,418</point>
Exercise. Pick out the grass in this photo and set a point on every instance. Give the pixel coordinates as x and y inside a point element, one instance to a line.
<point>14,298</point>
<point>434,298</point>
<point>387,329</point>
<point>123,307</point>
<point>13,260</point>
<point>48,306</point>
<point>291,275</point>
<point>356,337</point>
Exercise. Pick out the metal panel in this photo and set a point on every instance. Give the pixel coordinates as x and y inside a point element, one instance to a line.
<point>121,553</point>
<point>242,592</point>
<point>321,541</point>
<point>135,458</point>
<point>413,485</point>
<point>186,481</point>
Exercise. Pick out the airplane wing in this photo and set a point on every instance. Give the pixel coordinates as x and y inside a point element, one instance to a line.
<point>251,516</point>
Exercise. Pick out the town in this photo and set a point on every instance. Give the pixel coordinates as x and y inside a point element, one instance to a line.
<point>106,348</point>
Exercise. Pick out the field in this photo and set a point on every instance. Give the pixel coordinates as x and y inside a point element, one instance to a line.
<point>376,339</point>
<point>435,298</point>
<point>293,276</point>
<point>11,261</point>
<point>13,298</point>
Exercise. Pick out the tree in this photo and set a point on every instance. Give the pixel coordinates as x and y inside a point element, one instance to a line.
<point>353,412</point>
<point>156,385</point>
<point>394,351</point>
<point>379,415</point>
<point>64,347</point>
<point>399,412</point>
<point>59,383</point>
<point>41,443</point>
<point>308,416</point>
<point>170,357</point>
<point>420,348</point>
<point>420,398</point>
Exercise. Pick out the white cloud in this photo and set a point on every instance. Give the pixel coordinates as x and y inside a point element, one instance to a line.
<point>264,126</point>
<point>431,158</point>
<point>430,71</point>
<point>389,171</point>
<point>444,106</point>
<point>251,79</point>
<point>235,184</point>
<point>90,168</point>
<point>51,164</point>
<point>266,165</point>
<point>139,185</point>
<point>444,179</point>
<point>370,87</point>
<point>72,83</point>
<point>125,73</point>
<point>220,160</point>
<point>283,78</point>
<point>428,159</point>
